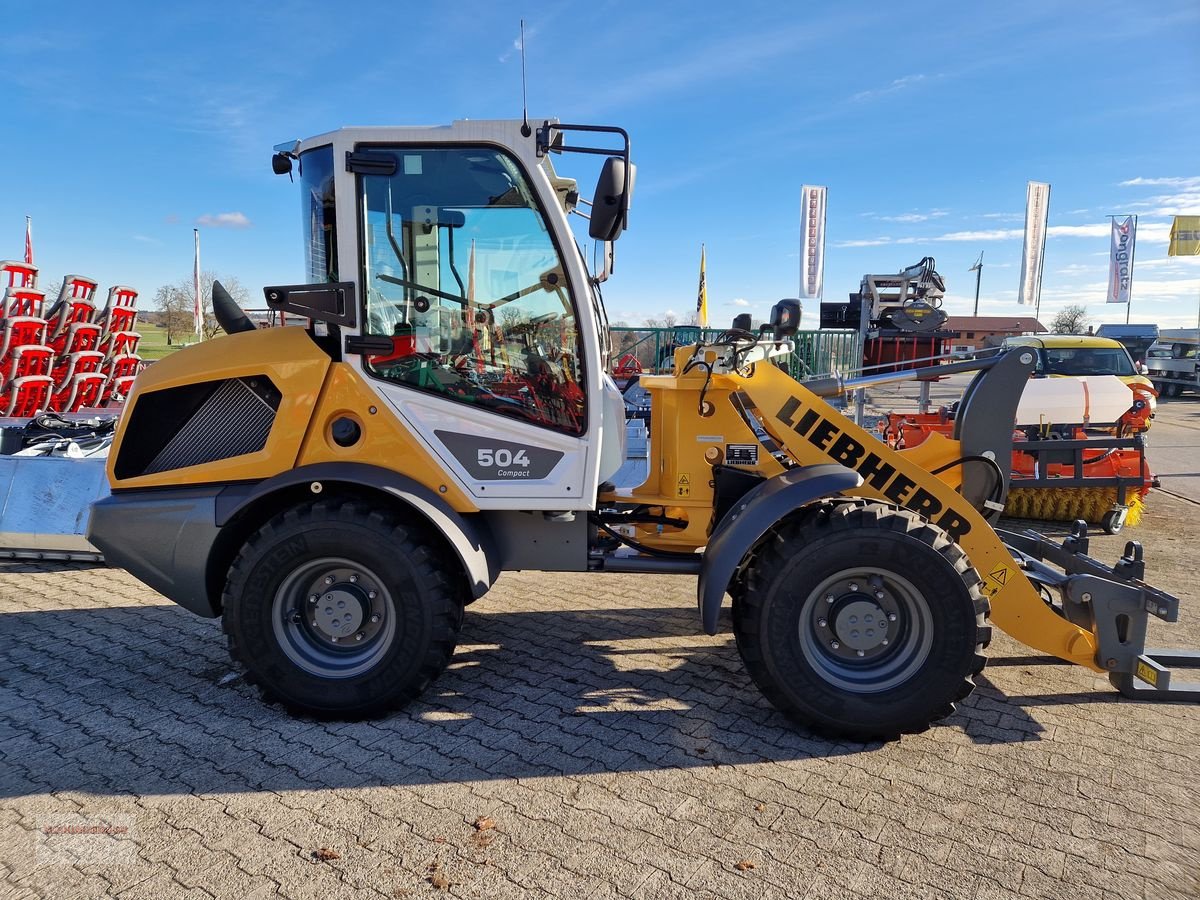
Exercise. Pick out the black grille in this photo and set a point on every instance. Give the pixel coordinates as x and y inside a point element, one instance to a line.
<point>197,424</point>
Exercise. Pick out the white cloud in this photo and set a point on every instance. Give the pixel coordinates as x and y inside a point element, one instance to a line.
<point>914,216</point>
<point>146,240</point>
<point>740,302</point>
<point>898,85</point>
<point>224,220</point>
<point>1162,182</point>
<point>1147,232</point>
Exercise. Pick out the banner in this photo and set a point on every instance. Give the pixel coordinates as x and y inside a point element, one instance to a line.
<point>1185,236</point>
<point>702,296</point>
<point>1037,210</point>
<point>198,311</point>
<point>812,242</point>
<point>1120,261</point>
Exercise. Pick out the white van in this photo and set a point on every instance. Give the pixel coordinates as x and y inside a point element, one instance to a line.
<point>1172,362</point>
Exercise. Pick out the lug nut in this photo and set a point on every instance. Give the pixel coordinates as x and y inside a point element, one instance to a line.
<point>854,585</point>
<point>860,652</point>
<point>313,599</point>
<point>823,623</point>
<point>370,595</point>
<point>879,595</point>
<point>374,619</point>
<point>359,636</point>
<point>329,579</point>
<point>891,617</point>
<point>353,579</point>
<point>884,642</point>
<point>296,618</point>
<point>334,638</point>
<point>835,645</point>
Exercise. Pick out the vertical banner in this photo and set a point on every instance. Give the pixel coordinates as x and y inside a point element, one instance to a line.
<point>812,242</point>
<point>28,241</point>
<point>702,296</point>
<point>1037,210</point>
<point>1120,261</point>
<point>198,311</point>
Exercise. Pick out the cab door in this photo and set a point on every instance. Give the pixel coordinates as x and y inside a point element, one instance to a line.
<point>463,275</point>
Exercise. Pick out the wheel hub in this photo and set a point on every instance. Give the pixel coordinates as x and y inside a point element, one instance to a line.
<point>861,625</point>
<point>334,617</point>
<point>865,629</point>
<point>340,613</point>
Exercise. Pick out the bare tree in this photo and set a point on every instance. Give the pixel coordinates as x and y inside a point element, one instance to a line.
<point>1071,319</point>
<point>177,304</point>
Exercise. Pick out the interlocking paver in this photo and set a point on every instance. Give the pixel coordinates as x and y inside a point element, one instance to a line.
<point>618,752</point>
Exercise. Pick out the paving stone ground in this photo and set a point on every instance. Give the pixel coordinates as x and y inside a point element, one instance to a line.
<point>586,741</point>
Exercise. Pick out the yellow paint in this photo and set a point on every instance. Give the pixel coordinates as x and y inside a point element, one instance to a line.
<point>287,356</point>
<point>386,441</point>
<point>1017,608</point>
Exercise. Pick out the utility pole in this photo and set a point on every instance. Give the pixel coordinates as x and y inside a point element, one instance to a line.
<point>978,270</point>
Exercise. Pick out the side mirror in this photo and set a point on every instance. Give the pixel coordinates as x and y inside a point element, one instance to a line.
<point>785,318</point>
<point>610,206</point>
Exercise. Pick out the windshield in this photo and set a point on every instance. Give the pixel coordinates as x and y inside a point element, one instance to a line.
<point>317,212</point>
<point>463,274</point>
<point>1085,361</point>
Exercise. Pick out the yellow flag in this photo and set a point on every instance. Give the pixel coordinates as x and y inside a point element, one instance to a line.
<point>702,296</point>
<point>1185,236</point>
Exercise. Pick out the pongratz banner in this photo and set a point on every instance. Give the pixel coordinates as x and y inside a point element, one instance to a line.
<point>812,242</point>
<point>1120,263</point>
<point>1037,211</point>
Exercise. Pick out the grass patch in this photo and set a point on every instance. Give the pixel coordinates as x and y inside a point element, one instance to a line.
<point>153,344</point>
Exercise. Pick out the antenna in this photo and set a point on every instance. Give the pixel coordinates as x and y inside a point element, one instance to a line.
<point>525,129</point>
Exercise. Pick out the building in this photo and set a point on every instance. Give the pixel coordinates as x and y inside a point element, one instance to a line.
<point>977,332</point>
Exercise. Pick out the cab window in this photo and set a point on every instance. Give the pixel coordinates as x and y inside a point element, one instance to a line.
<point>462,275</point>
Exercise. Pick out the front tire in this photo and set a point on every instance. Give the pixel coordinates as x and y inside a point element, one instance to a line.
<point>338,610</point>
<point>862,621</point>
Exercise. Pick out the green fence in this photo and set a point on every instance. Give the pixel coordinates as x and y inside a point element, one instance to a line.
<point>817,352</point>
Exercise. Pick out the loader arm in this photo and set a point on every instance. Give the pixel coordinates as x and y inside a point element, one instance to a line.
<point>814,433</point>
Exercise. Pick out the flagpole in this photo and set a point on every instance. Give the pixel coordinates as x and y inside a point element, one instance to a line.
<point>197,314</point>
<point>29,240</point>
<point>1132,257</point>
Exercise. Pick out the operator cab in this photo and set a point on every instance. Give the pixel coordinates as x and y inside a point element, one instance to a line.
<point>470,299</point>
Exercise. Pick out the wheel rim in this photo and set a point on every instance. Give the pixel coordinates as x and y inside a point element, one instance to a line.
<point>865,630</point>
<point>334,617</point>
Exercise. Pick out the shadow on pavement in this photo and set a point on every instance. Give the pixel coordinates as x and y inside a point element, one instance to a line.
<point>143,699</point>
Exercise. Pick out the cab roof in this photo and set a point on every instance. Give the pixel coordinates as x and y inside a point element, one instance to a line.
<point>1062,341</point>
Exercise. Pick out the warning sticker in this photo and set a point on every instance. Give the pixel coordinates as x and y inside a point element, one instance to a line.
<point>999,575</point>
<point>1147,673</point>
<point>683,487</point>
<point>741,454</point>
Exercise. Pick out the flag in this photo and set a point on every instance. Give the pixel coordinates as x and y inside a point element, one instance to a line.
<point>1120,260</point>
<point>812,241</point>
<point>1037,210</point>
<point>198,311</point>
<point>702,296</point>
<point>28,241</point>
<point>1185,236</point>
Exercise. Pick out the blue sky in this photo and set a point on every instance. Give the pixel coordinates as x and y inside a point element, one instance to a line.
<point>129,123</point>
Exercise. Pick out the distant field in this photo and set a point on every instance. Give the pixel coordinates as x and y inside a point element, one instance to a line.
<point>153,344</point>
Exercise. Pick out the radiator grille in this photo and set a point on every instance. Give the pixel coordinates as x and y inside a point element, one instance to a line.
<point>233,420</point>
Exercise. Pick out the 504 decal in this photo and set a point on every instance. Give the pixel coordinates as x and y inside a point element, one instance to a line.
<point>502,457</point>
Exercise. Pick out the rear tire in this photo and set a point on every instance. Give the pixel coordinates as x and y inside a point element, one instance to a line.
<point>895,648</point>
<point>338,610</point>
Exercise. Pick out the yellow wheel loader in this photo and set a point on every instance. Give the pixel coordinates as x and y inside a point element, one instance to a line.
<point>338,493</point>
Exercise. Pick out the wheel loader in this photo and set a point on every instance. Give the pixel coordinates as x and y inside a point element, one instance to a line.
<point>338,493</point>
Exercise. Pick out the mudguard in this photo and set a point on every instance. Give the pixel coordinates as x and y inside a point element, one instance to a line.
<point>471,540</point>
<point>752,516</point>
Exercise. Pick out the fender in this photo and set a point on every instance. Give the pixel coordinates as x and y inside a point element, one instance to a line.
<point>752,517</point>
<point>471,540</point>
